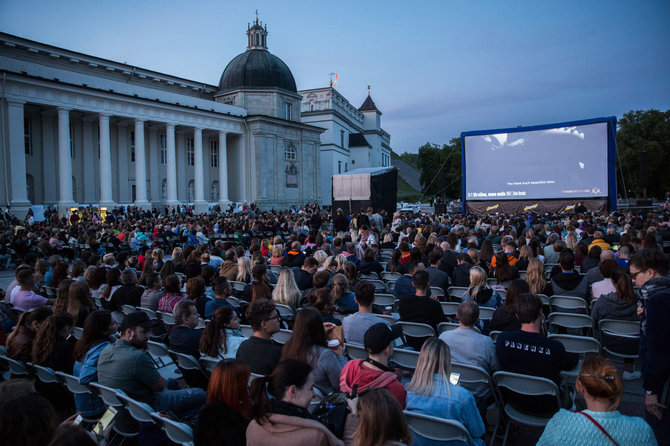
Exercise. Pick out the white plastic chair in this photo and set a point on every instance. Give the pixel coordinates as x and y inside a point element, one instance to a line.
<point>447,326</point>
<point>613,332</point>
<point>356,351</point>
<point>567,304</point>
<point>456,292</point>
<point>177,432</point>
<point>282,336</point>
<point>406,359</point>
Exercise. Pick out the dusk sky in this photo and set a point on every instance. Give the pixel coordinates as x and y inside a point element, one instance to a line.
<point>436,68</point>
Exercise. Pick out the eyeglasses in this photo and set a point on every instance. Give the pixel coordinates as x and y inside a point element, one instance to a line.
<point>276,316</point>
<point>634,275</point>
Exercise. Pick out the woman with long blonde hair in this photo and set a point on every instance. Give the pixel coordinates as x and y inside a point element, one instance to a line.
<point>479,291</point>
<point>243,269</point>
<point>320,257</point>
<point>535,278</point>
<point>286,292</point>
<point>431,393</point>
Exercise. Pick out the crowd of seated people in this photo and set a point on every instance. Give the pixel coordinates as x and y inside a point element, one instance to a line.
<point>233,281</point>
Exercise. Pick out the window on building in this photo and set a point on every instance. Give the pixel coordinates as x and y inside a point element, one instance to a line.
<point>133,192</point>
<point>71,140</point>
<point>346,167</point>
<point>214,153</point>
<point>287,111</point>
<point>27,132</point>
<point>190,152</point>
<point>339,167</point>
<point>342,138</point>
<point>163,149</point>
<point>290,153</point>
<point>132,146</point>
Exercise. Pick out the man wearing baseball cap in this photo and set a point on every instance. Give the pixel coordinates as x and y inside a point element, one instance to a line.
<point>374,372</point>
<point>126,365</point>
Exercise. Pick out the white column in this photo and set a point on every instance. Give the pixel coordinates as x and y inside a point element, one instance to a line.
<point>17,154</point>
<point>223,171</point>
<point>140,167</point>
<point>171,166</point>
<point>65,198</point>
<point>106,199</point>
<point>198,177</point>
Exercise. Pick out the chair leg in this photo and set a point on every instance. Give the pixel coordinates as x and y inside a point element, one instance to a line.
<point>509,422</point>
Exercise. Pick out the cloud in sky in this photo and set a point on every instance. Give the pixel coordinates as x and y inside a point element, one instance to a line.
<point>565,131</point>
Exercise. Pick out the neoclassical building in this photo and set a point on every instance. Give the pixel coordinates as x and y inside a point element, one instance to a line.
<point>81,130</point>
<point>353,137</point>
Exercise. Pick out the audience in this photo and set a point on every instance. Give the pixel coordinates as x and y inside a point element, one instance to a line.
<point>355,325</point>
<point>420,307</point>
<point>185,337</point>
<point>21,339</point>
<point>569,282</point>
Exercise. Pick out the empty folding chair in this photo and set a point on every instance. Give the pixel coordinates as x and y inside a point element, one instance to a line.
<point>577,322</point>
<point>620,338</point>
<point>406,359</point>
<point>513,388</point>
<point>567,304</point>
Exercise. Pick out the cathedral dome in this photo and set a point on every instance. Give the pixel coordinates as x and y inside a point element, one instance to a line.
<point>257,68</point>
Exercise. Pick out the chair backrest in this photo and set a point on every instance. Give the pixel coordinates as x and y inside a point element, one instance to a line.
<point>567,304</point>
<point>491,281</point>
<point>72,383</point>
<point>471,375</point>
<point>138,410</point>
<point>544,298</point>
<point>526,385</point>
<point>17,367</point>
<point>46,374</point>
<point>457,291</point>
<point>369,277</point>
<point>450,308</point>
<point>577,344</point>
<point>186,362</point>
<point>247,331</point>
<point>391,276</point>
<point>109,396</point>
<point>127,309</point>
<point>436,291</point>
<point>379,285</point>
<point>77,332</point>
<point>167,318</point>
<point>208,363</point>
<point>238,286</point>
<point>416,329</point>
<point>446,326</point>
<point>493,334</point>
<point>406,359</point>
<point>177,432</point>
<point>234,301</point>
<point>388,318</point>
<point>157,349</point>
<point>522,274</point>
<point>149,312</point>
<point>384,299</point>
<point>619,328</point>
<point>486,313</point>
<point>570,320</point>
<point>437,429</point>
<point>282,336</point>
<point>285,311</point>
<point>356,351</point>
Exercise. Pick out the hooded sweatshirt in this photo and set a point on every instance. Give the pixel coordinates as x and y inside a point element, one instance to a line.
<point>610,306</point>
<point>569,283</point>
<point>354,372</point>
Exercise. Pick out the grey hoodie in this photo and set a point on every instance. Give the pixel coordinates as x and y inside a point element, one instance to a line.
<point>610,306</point>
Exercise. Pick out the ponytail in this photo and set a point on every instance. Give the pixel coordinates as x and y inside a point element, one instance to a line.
<point>623,285</point>
<point>286,374</point>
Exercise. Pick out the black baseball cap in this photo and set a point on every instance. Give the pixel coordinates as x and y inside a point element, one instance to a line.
<point>379,336</point>
<point>135,319</point>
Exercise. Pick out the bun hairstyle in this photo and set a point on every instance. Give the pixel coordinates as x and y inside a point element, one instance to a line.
<point>601,380</point>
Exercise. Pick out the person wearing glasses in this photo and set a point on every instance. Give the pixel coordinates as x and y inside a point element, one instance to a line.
<point>649,271</point>
<point>260,352</point>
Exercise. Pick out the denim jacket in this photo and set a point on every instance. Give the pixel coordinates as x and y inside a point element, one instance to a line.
<point>459,405</point>
<point>87,372</point>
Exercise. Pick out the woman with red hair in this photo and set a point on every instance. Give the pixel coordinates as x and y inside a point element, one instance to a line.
<point>225,416</point>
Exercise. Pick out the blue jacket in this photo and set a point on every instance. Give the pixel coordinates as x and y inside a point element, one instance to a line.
<point>87,372</point>
<point>458,404</point>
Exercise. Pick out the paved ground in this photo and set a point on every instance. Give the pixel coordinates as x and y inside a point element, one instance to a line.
<point>632,403</point>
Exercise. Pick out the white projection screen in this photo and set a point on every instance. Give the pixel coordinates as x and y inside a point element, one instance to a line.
<point>566,162</point>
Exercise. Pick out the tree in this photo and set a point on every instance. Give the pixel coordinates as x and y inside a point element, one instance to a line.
<point>440,169</point>
<point>643,131</point>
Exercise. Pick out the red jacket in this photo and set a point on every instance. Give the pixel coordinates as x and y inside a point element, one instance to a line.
<point>354,372</point>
